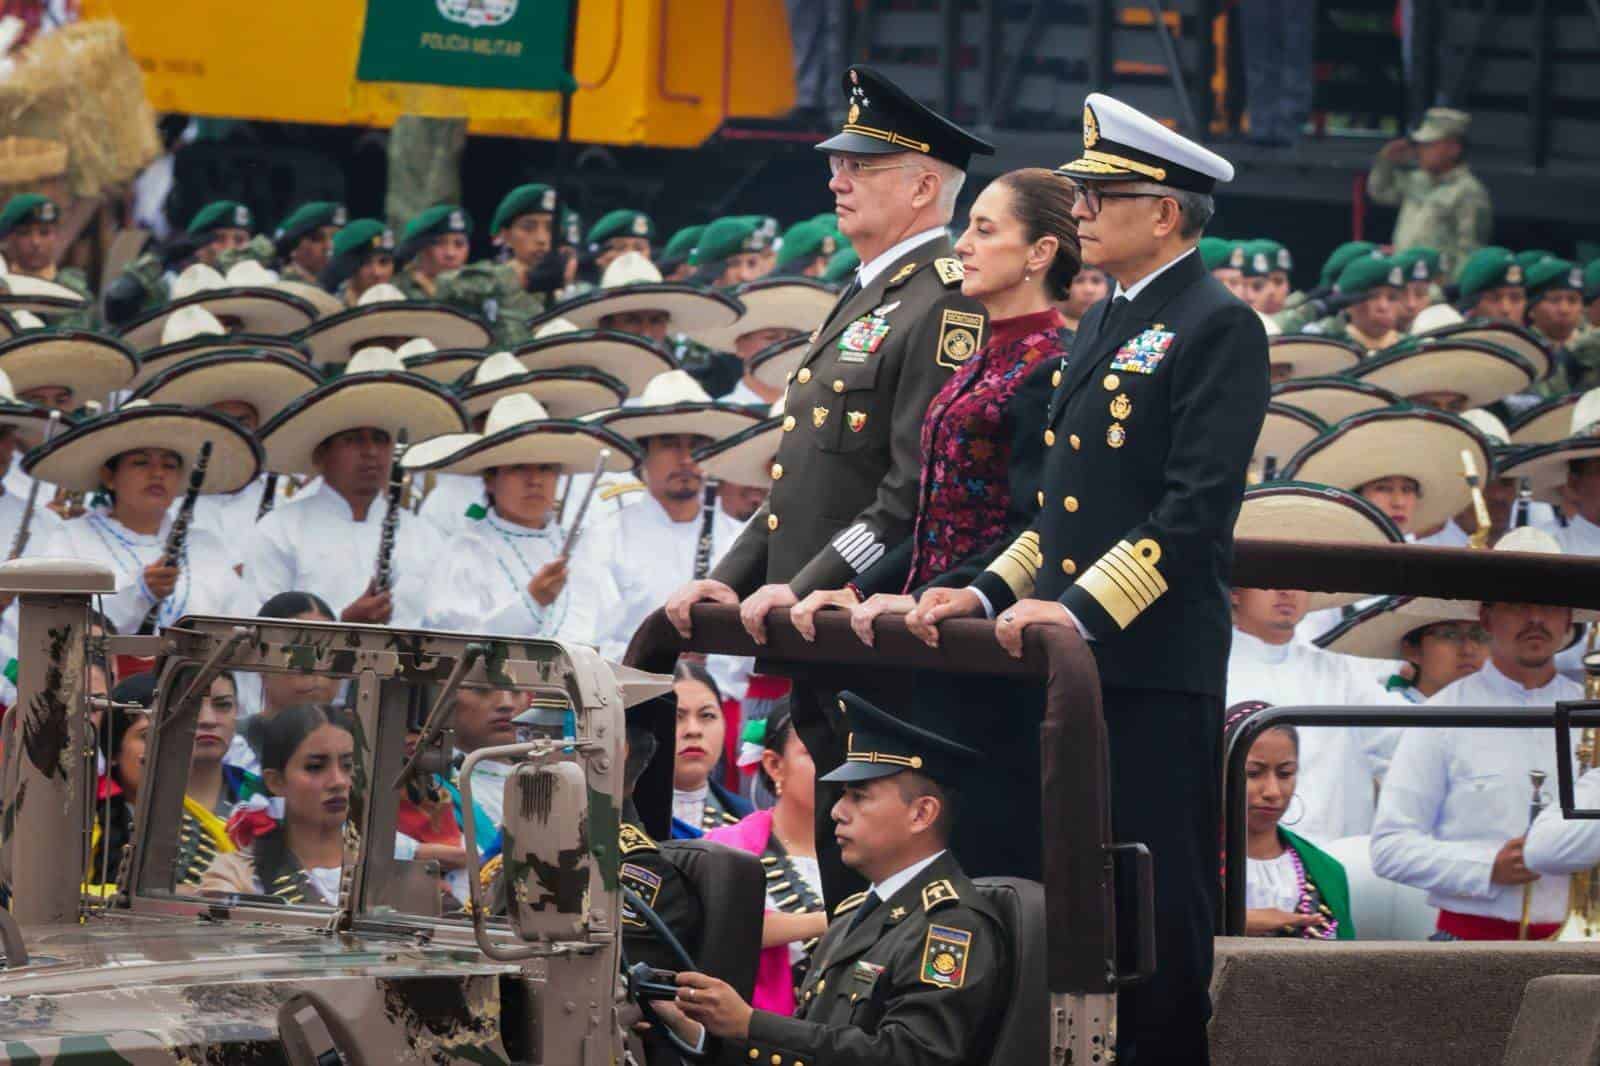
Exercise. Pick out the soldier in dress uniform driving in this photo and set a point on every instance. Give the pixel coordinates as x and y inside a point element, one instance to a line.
<point>1150,431</point>
<point>915,971</point>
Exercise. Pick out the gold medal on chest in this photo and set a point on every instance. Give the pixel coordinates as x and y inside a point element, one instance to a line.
<point>1116,435</point>
<point>1121,407</point>
<point>819,415</point>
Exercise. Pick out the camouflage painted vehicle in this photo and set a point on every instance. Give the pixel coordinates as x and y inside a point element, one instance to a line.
<point>154,971</point>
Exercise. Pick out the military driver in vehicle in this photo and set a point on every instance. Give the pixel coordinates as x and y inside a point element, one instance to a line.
<point>914,972</point>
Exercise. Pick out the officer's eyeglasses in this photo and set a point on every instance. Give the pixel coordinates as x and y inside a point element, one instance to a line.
<point>855,168</point>
<point>1091,197</point>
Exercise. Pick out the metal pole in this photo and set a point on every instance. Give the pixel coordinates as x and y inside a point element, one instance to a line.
<point>1169,48</point>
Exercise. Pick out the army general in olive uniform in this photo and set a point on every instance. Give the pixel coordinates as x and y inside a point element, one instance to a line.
<point>915,971</point>
<point>844,483</point>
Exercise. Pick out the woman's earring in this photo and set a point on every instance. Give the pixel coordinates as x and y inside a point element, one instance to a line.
<point>777,788</point>
<point>1026,276</point>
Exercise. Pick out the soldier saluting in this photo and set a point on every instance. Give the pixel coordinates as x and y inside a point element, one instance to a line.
<point>844,483</point>
<point>1150,429</point>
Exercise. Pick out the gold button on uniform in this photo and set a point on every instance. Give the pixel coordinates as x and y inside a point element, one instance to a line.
<point>1075,442</point>
<point>838,386</point>
<point>1111,382</point>
<point>1049,438</point>
<point>1055,380</point>
<point>1041,499</point>
<point>821,985</point>
<point>1070,503</point>
<point>755,1053</point>
<point>777,1060</point>
<point>804,375</point>
<point>1068,566</point>
<point>777,471</point>
<point>772,522</point>
<point>788,423</point>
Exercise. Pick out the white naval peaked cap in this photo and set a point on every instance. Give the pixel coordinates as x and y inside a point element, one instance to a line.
<point>383,293</point>
<point>498,367</point>
<point>1487,424</point>
<point>1586,414</point>
<point>517,409</point>
<point>374,359</point>
<point>1122,143</point>
<point>416,346</point>
<point>189,322</point>
<point>197,277</point>
<point>248,273</point>
<point>630,268</point>
<point>555,327</point>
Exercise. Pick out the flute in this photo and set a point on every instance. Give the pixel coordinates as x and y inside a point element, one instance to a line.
<point>583,507</point>
<point>24,528</point>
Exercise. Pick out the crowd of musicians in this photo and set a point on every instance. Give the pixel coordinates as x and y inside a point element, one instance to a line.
<point>1058,413</point>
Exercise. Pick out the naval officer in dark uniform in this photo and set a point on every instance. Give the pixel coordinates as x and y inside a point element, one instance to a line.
<point>916,970</point>
<point>845,479</point>
<point>1150,429</point>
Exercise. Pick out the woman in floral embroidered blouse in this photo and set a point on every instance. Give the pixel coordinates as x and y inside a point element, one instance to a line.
<point>982,436</point>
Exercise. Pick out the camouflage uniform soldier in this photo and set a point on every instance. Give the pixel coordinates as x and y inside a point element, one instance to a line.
<point>433,244</point>
<point>30,238</point>
<point>363,256</point>
<point>303,242</point>
<point>1442,203</point>
<point>1491,285</point>
<point>1555,313</point>
<point>1420,267</point>
<point>806,248</point>
<point>217,229</point>
<point>510,292</point>
<point>622,230</point>
<point>1266,275</point>
<point>730,252</point>
<point>424,165</point>
<point>1225,260</point>
<point>1369,287</point>
<point>675,254</point>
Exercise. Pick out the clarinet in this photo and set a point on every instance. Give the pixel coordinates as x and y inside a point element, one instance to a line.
<point>708,515</point>
<point>178,536</point>
<point>25,527</point>
<point>383,576</point>
<point>269,493</point>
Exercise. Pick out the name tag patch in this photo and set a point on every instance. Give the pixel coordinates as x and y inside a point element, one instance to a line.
<point>1143,353</point>
<point>944,956</point>
<point>643,882</point>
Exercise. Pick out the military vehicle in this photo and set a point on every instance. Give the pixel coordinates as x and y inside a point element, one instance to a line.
<point>381,962</point>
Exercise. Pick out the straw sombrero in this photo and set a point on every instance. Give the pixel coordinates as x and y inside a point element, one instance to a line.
<point>674,402</point>
<point>562,393</point>
<point>746,457</point>
<point>632,283</point>
<point>321,300</point>
<point>1310,356</point>
<point>1333,399</point>
<point>385,318</point>
<point>75,458</point>
<point>9,326</point>
<point>774,364</point>
<point>1378,631</point>
<point>442,365</point>
<point>23,292</point>
<point>1284,432</point>
<point>1482,372</point>
<point>267,381</point>
<point>775,303</point>
<point>193,332</point>
<point>241,308</point>
<point>1321,514</point>
<point>1545,466</point>
<point>1503,335</point>
<point>1406,441</point>
<point>30,421</point>
<point>1435,317</point>
<point>559,345</point>
<point>92,365</point>
<point>520,430</point>
<point>374,390</point>
<point>1547,423</point>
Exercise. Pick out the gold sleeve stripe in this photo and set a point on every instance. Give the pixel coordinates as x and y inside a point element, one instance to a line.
<point>1018,566</point>
<point>1125,581</point>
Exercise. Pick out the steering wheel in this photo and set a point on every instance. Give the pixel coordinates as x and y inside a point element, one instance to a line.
<point>640,974</point>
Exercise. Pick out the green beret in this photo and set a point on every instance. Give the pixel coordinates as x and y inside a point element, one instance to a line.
<point>223,214</point>
<point>1369,272</point>
<point>843,265</point>
<point>27,207</point>
<point>436,221</point>
<point>1219,252</point>
<point>807,240</point>
<point>1340,258</point>
<point>681,244</point>
<point>363,236</point>
<point>1552,275</point>
<point>1487,268</point>
<point>623,222</point>
<point>532,199</point>
<point>727,237</point>
<point>306,220</point>
<point>1528,258</point>
<point>827,218</point>
<point>766,228</point>
<point>1262,257</point>
<point>1419,264</point>
<point>1591,281</point>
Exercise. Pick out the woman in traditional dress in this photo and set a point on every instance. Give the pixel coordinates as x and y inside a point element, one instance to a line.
<point>785,838</point>
<point>1292,887</point>
<point>292,842</point>
<point>699,801</point>
<point>141,456</point>
<point>214,786</point>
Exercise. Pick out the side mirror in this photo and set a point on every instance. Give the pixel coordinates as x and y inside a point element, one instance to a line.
<point>548,867</point>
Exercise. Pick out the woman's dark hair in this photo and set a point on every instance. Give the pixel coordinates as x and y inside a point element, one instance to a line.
<point>1042,201</point>
<point>695,670</point>
<point>294,604</point>
<point>139,689</point>
<point>780,727</point>
<point>1236,716</point>
<point>283,733</point>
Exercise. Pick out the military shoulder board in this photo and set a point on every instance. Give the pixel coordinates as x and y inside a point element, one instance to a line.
<point>950,271</point>
<point>937,894</point>
<point>631,839</point>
